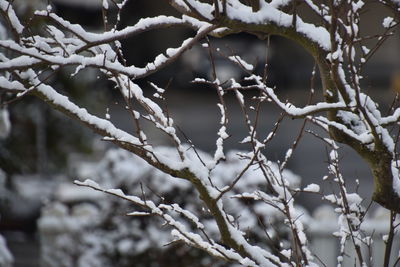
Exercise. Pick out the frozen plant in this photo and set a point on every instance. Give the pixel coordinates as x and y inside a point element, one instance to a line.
<point>345,113</point>
<point>94,233</point>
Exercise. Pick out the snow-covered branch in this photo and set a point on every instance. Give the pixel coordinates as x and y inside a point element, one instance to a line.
<point>223,182</point>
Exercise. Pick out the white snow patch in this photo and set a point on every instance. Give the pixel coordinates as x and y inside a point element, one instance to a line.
<point>312,188</point>
<point>5,124</point>
<point>388,22</point>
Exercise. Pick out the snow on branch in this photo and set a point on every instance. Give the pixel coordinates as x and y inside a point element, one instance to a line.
<point>143,25</point>
<point>180,232</point>
<point>352,118</point>
<point>62,102</point>
<point>289,108</point>
<point>12,18</point>
<point>269,14</point>
<point>12,86</point>
<point>364,138</point>
<point>101,61</point>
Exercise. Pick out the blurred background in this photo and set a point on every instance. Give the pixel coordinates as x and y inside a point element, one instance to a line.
<point>44,151</point>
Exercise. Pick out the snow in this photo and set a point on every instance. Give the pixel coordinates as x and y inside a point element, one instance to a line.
<point>124,163</point>
<point>66,192</point>
<point>242,173</point>
<point>84,116</point>
<point>396,178</point>
<point>117,192</point>
<point>105,4</point>
<point>16,62</point>
<point>385,238</point>
<point>258,254</point>
<point>6,258</point>
<point>241,63</point>
<point>5,124</point>
<point>356,6</point>
<point>204,9</point>
<point>365,49</point>
<point>100,60</point>
<point>6,7</point>
<point>240,97</point>
<point>269,14</point>
<point>288,154</point>
<point>314,188</point>
<point>289,108</point>
<point>388,22</point>
<point>331,198</point>
<point>88,183</point>
<point>280,3</point>
<point>58,219</point>
<point>219,152</point>
<point>364,138</point>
